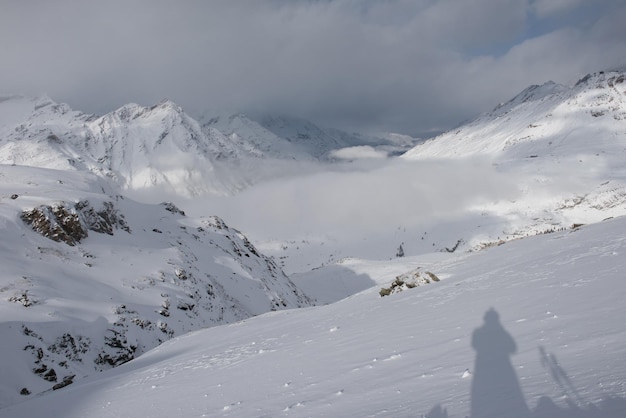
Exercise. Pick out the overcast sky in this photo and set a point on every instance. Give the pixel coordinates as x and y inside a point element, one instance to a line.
<point>407,66</point>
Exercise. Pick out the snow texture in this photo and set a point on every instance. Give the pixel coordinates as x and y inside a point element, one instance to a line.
<point>507,300</point>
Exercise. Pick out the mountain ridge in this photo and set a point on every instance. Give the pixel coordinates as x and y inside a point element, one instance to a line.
<point>550,107</point>
<point>161,146</point>
<point>92,279</point>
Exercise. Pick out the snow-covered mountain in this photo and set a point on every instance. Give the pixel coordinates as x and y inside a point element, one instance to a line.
<point>161,147</point>
<point>137,147</point>
<point>91,279</point>
<point>530,329</point>
<point>285,137</point>
<point>544,121</point>
<point>563,148</point>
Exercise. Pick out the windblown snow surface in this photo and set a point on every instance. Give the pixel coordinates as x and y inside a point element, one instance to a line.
<point>536,324</point>
<point>480,275</point>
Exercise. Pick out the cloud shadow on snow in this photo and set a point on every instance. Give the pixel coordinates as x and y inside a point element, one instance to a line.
<point>496,392</point>
<point>334,283</point>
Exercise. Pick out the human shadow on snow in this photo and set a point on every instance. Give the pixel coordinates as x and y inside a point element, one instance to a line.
<point>495,391</point>
<point>495,388</point>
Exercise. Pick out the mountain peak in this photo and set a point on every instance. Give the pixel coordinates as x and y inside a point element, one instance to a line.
<point>169,105</point>
<point>538,118</point>
<point>532,93</point>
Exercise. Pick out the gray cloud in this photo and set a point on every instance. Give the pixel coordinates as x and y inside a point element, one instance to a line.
<point>401,65</point>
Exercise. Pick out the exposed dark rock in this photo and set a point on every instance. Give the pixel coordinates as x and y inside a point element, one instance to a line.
<point>70,347</point>
<point>50,376</point>
<point>23,298</point>
<point>103,221</point>
<point>122,351</point>
<point>170,207</point>
<point>63,222</point>
<point>409,280</point>
<point>58,223</point>
<point>181,273</point>
<point>456,246</point>
<point>67,380</point>
<point>40,369</point>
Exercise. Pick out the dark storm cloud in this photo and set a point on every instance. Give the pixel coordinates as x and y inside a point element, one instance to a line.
<point>402,65</point>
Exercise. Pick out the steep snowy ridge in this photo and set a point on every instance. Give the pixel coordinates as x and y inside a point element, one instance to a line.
<point>542,120</point>
<point>565,148</point>
<point>157,146</point>
<point>137,147</point>
<point>259,140</point>
<point>92,279</point>
<point>33,132</point>
<point>305,135</point>
<point>161,147</point>
<point>285,137</point>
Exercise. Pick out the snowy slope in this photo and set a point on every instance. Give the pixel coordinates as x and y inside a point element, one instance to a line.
<point>254,137</point>
<point>564,147</point>
<point>532,328</point>
<point>158,146</point>
<point>91,279</point>
<point>162,149</point>
<point>139,148</point>
<point>543,121</point>
<point>31,130</point>
<point>282,137</point>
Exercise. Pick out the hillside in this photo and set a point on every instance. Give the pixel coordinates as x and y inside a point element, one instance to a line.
<point>528,329</point>
<point>92,279</point>
<point>563,148</point>
<point>162,150</point>
<point>546,121</point>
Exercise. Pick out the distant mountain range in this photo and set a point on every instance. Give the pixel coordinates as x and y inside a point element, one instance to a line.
<point>162,147</point>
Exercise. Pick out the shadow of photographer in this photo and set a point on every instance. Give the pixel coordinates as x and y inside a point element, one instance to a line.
<point>496,391</point>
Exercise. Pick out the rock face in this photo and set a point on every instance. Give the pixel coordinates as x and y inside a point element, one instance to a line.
<point>57,223</point>
<point>69,223</point>
<point>409,280</point>
<point>94,280</point>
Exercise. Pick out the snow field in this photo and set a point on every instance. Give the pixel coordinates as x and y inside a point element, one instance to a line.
<point>558,296</point>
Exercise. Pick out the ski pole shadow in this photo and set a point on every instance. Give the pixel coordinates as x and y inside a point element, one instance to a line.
<point>549,361</point>
<point>576,407</point>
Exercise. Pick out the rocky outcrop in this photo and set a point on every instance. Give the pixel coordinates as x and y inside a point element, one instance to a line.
<point>409,280</point>
<point>70,223</point>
